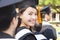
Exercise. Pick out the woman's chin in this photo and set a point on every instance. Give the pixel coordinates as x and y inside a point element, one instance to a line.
<point>31,24</point>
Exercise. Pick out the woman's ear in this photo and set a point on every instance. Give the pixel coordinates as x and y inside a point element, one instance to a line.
<point>17,10</point>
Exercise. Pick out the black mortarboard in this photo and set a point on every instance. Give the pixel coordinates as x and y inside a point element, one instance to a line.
<point>4,3</point>
<point>45,10</point>
<point>27,2</point>
<point>8,7</point>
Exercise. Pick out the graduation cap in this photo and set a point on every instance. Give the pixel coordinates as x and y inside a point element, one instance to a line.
<point>27,2</point>
<point>4,3</point>
<point>45,10</point>
<point>8,6</point>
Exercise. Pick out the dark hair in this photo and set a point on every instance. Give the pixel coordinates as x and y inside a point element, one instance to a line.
<point>6,16</point>
<point>43,14</point>
<point>37,27</point>
<point>25,7</point>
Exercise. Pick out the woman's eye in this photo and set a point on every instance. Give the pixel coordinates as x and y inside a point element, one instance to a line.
<point>35,13</point>
<point>30,13</point>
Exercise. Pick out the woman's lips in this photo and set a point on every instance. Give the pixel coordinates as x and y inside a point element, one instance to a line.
<point>32,21</point>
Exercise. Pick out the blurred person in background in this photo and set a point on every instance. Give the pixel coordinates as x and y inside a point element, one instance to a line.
<point>47,30</point>
<point>37,33</point>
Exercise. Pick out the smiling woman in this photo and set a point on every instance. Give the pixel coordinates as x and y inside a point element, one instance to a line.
<point>28,16</point>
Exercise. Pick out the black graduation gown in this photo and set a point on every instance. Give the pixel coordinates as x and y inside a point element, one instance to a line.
<point>27,36</point>
<point>40,35</point>
<point>4,35</point>
<point>49,32</point>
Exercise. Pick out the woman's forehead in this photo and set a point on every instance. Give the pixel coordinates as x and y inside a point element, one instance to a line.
<point>31,9</point>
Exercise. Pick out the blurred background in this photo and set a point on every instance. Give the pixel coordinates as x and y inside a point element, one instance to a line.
<point>55,10</point>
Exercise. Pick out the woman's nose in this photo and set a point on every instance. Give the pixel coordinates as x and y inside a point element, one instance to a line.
<point>34,17</point>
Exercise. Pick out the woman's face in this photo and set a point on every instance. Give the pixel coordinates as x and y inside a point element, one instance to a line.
<point>29,16</point>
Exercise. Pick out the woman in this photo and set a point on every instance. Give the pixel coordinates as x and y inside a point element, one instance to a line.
<point>28,16</point>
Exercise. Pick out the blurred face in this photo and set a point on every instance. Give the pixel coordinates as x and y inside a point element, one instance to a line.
<point>47,17</point>
<point>29,16</point>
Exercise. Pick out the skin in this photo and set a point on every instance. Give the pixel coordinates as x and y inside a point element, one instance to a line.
<point>28,17</point>
<point>13,25</point>
<point>47,17</point>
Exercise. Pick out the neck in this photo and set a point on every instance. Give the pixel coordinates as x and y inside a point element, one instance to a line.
<point>22,24</point>
<point>10,31</point>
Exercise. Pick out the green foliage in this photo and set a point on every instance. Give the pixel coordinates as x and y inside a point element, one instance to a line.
<point>46,2</point>
<point>53,3</point>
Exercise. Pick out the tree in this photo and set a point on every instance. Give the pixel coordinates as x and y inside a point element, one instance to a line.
<point>55,4</point>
